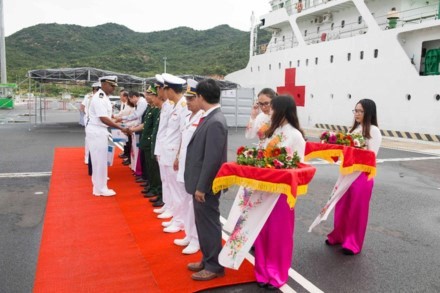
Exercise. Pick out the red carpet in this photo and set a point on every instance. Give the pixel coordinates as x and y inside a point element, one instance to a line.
<point>115,244</point>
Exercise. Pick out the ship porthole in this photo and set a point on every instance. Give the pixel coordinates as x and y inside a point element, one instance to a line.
<point>331,96</point>
<point>408,97</point>
<point>349,96</point>
<point>437,97</point>
<point>311,96</point>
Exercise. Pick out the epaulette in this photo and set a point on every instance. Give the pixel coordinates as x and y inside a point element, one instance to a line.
<point>171,102</point>
<point>183,104</point>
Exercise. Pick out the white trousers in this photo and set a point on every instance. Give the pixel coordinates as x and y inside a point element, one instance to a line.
<point>187,214</point>
<point>86,151</point>
<point>97,141</point>
<point>165,187</point>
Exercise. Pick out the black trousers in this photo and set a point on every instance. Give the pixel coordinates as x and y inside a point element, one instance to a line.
<point>209,230</point>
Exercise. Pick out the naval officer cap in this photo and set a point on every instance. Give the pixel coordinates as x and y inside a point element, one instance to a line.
<point>172,81</point>
<point>96,85</point>
<point>191,85</point>
<point>111,79</point>
<point>159,80</point>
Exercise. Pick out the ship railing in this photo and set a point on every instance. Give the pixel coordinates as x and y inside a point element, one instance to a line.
<point>291,8</point>
<point>338,32</point>
<point>279,46</point>
<point>416,15</point>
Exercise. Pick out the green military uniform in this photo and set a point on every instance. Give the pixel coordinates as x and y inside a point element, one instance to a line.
<point>147,144</point>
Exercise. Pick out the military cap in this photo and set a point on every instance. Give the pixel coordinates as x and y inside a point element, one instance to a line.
<point>96,85</point>
<point>159,80</point>
<point>172,81</point>
<point>111,79</point>
<point>152,90</point>
<point>191,85</point>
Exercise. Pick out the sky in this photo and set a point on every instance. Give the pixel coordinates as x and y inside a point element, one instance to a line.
<point>137,15</point>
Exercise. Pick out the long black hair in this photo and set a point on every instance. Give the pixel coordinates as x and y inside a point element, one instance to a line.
<point>283,107</point>
<point>370,117</point>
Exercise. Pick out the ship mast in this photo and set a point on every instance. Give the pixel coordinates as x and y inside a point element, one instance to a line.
<point>253,37</point>
<point>2,46</point>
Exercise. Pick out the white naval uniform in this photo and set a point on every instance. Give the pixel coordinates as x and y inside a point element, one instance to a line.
<point>165,111</point>
<point>172,140</point>
<point>187,208</point>
<point>86,104</point>
<point>97,139</point>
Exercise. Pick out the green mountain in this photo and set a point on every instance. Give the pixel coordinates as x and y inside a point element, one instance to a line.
<point>219,50</point>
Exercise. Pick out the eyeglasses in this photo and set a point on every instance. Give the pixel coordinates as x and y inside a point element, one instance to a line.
<point>261,104</point>
<point>355,111</point>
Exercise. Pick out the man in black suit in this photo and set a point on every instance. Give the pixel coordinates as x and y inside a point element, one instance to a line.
<point>206,152</point>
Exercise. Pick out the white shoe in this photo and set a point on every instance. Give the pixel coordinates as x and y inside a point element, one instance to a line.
<point>165,215</point>
<point>181,242</point>
<point>172,229</point>
<point>191,249</point>
<point>159,210</point>
<point>108,192</point>
<point>167,224</point>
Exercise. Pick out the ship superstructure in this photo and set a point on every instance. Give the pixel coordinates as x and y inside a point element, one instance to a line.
<point>330,54</point>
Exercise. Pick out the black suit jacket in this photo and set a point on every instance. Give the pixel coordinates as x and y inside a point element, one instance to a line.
<point>206,152</point>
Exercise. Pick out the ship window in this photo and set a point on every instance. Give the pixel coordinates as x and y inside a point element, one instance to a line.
<point>298,63</point>
<point>408,97</point>
<point>275,40</point>
<point>279,65</point>
<point>362,55</point>
<point>331,96</point>
<point>332,26</point>
<point>348,56</point>
<point>331,58</point>
<point>360,19</point>
<point>317,29</point>
<point>270,66</point>
<point>252,70</point>
<point>316,60</point>
<point>349,96</point>
<point>342,24</point>
<point>376,53</point>
<point>290,64</point>
<point>307,62</point>
<point>305,33</point>
<point>437,97</point>
<point>284,38</point>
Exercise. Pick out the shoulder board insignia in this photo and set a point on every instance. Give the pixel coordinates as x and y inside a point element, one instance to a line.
<point>171,102</point>
<point>101,95</point>
<point>183,104</point>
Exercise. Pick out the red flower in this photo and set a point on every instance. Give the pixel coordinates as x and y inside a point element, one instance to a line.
<point>240,150</point>
<point>276,152</point>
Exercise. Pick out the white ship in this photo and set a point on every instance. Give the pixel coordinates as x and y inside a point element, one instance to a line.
<point>330,54</point>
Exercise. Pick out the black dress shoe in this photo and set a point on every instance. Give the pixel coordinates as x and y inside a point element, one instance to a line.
<point>126,162</point>
<point>158,204</point>
<point>149,195</point>
<point>261,284</point>
<point>123,156</point>
<point>140,180</point>
<point>154,199</point>
<point>146,191</point>
<point>330,244</point>
<point>347,251</point>
<point>144,184</point>
<point>271,287</point>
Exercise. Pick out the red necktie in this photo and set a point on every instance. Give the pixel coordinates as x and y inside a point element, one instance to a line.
<point>200,121</point>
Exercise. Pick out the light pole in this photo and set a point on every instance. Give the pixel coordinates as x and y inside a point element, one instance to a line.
<point>165,64</point>
<point>2,46</point>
